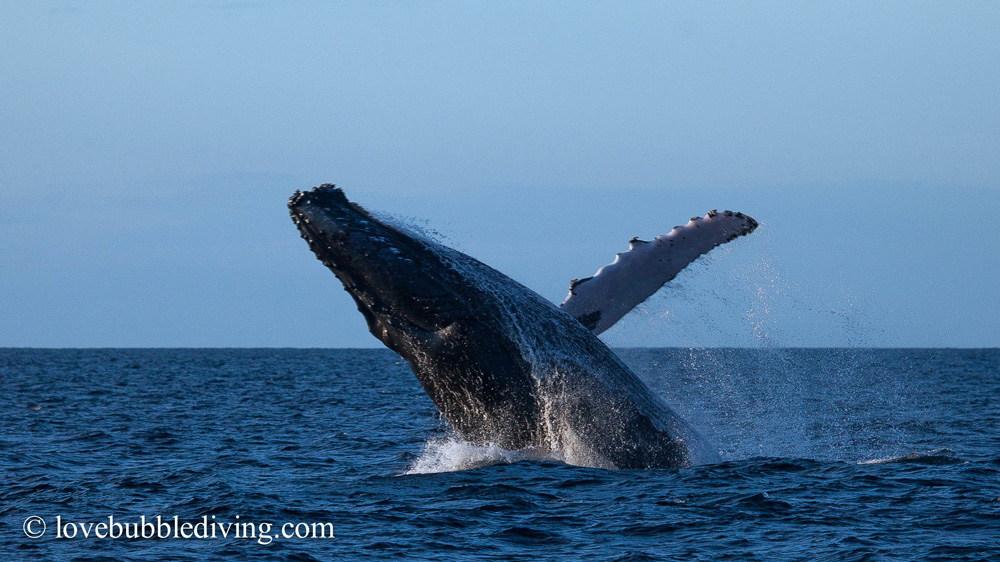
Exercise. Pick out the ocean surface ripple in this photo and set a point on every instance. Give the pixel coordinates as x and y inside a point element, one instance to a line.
<point>832,454</point>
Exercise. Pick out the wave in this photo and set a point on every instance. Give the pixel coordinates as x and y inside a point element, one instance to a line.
<point>933,457</point>
<point>452,454</point>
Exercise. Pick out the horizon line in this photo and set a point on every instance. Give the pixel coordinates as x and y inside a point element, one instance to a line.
<point>762,348</point>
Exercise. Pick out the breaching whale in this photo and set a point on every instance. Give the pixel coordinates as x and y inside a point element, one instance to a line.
<point>502,364</point>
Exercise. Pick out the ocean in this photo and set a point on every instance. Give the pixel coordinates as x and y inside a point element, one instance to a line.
<point>301,455</point>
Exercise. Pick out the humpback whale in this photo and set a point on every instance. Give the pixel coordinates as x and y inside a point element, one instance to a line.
<point>503,365</point>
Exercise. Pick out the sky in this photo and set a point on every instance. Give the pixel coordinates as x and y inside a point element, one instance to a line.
<point>147,151</point>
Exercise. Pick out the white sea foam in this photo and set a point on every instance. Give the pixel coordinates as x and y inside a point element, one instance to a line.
<point>451,454</point>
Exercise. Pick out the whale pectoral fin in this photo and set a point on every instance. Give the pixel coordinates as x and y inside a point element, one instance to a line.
<point>603,299</point>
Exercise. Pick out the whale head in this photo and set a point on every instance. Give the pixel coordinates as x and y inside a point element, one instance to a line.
<point>428,312</point>
<point>397,281</point>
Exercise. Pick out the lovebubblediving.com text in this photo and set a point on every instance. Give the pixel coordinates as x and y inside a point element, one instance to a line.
<point>161,527</point>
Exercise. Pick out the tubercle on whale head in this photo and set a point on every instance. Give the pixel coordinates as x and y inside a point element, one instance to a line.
<point>328,191</point>
<point>328,207</point>
<point>400,286</point>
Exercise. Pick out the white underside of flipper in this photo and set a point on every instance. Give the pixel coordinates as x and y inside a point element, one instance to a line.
<point>603,299</point>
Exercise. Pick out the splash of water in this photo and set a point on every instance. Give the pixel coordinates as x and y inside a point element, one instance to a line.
<point>452,454</point>
<point>777,401</point>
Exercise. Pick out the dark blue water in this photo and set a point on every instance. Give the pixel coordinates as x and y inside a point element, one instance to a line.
<point>829,455</point>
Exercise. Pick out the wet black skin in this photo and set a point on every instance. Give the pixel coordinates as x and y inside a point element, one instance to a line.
<point>428,314</point>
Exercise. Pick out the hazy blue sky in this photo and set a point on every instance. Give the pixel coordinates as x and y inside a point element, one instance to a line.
<point>147,150</point>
